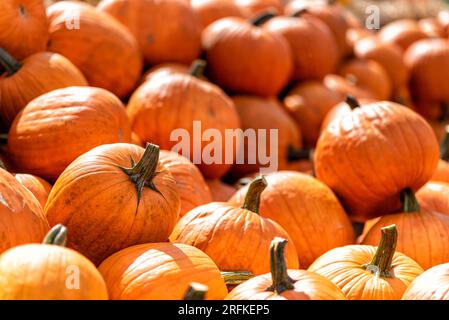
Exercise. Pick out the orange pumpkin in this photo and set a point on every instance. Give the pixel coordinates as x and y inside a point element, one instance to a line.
<point>221,192</point>
<point>58,126</point>
<point>112,197</point>
<point>402,32</point>
<point>49,271</point>
<point>354,35</point>
<point>37,74</point>
<point>441,173</point>
<point>432,28</point>
<point>307,209</point>
<point>423,234</point>
<point>348,85</point>
<point>38,186</point>
<point>431,285</point>
<point>285,284</point>
<point>236,238</point>
<point>209,11</point>
<point>243,57</point>
<point>372,187</point>
<point>365,272</point>
<point>192,188</point>
<point>106,53</point>
<point>160,271</point>
<point>167,31</point>
<point>251,8</point>
<point>23,27</point>
<point>434,196</point>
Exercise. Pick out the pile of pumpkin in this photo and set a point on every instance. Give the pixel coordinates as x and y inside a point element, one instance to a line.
<point>94,205</point>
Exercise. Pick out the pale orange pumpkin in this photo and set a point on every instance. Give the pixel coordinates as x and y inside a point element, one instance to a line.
<point>433,284</point>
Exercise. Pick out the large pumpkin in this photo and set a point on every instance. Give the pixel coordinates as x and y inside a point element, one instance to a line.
<point>55,128</point>
<point>23,27</point>
<point>433,284</point>
<point>368,273</point>
<point>177,110</point>
<point>167,31</point>
<point>402,32</point>
<point>160,271</point>
<point>112,197</point>
<point>209,11</point>
<point>307,209</point>
<point>35,75</point>
<point>106,53</point>
<point>285,284</point>
<point>38,186</point>
<point>21,217</point>
<point>243,57</point>
<point>49,271</point>
<point>388,160</point>
<point>236,237</point>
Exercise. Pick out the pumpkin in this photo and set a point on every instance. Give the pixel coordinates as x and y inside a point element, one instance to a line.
<point>167,31</point>
<point>432,27</point>
<point>38,74</point>
<point>364,272</point>
<point>192,188</point>
<point>221,192</point>
<point>430,285</point>
<point>23,27</point>
<point>135,139</point>
<point>243,57</point>
<point>112,197</point>
<point>251,8</point>
<point>49,271</point>
<point>433,196</point>
<point>236,237</point>
<point>307,209</point>
<point>209,11</point>
<point>55,128</point>
<point>372,187</point>
<point>353,35</point>
<point>38,186</point>
<point>160,271</point>
<point>402,32</point>
<point>441,173</point>
<point>22,218</point>
<point>423,234</point>
<point>268,115</point>
<point>443,19</point>
<point>314,49</point>
<point>285,284</point>
<point>308,103</point>
<point>188,106</point>
<point>106,53</point>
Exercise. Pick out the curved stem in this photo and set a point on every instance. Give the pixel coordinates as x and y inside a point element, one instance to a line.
<point>296,154</point>
<point>444,145</point>
<point>281,281</point>
<point>233,278</point>
<point>409,202</point>
<point>263,17</point>
<point>381,262</point>
<point>197,68</point>
<point>352,102</point>
<point>252,198</point>
<point>57,236</point>
<point>10,64</point>
<point>196,291</point>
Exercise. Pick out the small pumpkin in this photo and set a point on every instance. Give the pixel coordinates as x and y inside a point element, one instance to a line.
<point>285,284</point>
<point>38,186</point>
<point>348,85</point>
<point>402,32</point>
<point>434,196</point>
<point>364,272</point>
<point>236,237</point>
<point>430,285</point>
<point>243,57</point>
<point>307,209</point>
<point>221,192</point>
<point>167,31</point>
<point>104,50</point>
<point>209,11</point>
<point>160,271</point>
<point>251,8</point>
<point>37,74</point>
<point>55,128</point>
<point>49,271</point>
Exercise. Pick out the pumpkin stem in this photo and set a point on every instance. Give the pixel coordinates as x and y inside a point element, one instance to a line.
<point>197,68</point>
<point>352,102</point>
<point>56,236</point>
<point>409,202</point>
<point>252,198</point>
<point>281,280</point>
<point>236,277</point>
<point>381,262</point>
<point>296,154</point>
<point>196,291</point>
<point>10,64</point>
<point>263,17</point>
<point>444,145</point>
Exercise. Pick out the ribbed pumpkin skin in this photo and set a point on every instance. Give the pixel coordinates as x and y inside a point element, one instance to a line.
<point>236,239</point>
<point>343,266</point>
<point>209,11</point>
<point>38,186</point>
<point>167,31</point>
<point>246,59</point>
<point>57,127</point>
<point>40,73</point>
<point>106,53</point>
<point>371,186</point>
<point>23,27</point>
<point>98,203</point>
<point>192,188</point>
<point>21,217</point>
<point>307,285</point>
<point>434,196</point>
<point>433,284</point>
<point>441,174</point>
<point>221,192</point>
<point>403,32</point>
<point>308,210</point>
<point>160,271</point>
<point>42,272</point>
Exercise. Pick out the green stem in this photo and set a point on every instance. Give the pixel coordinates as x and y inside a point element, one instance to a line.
<point>281,281</point>
<point>296,154</point>
<point>263,17</point>
<point>444,145</point>
<point>352,102</point>
<point>233,278</point>
<point>10,64</point>
<point>197,68</point>
<point>196,291</point>
<point>381,262</point>
<point>56,236</point>
<point>252,198</point>
<point>409,202</point>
